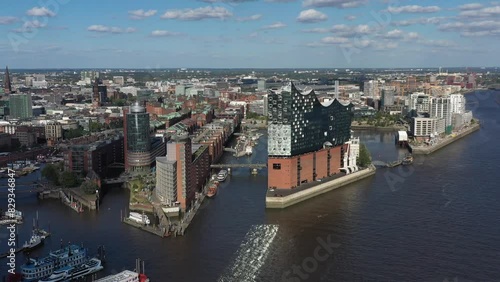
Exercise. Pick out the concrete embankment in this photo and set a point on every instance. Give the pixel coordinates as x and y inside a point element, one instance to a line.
<point>289,200</point>
<point>431,149</point>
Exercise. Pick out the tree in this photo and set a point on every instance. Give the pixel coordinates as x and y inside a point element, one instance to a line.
<point>51,172</point>
<point>364,158</point>
<point>69,179</point>
<point>89,187</point>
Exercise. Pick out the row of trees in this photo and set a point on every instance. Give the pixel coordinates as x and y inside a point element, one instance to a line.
<point>55,174</point>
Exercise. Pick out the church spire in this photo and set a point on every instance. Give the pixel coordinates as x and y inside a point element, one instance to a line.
<point>7,85</point>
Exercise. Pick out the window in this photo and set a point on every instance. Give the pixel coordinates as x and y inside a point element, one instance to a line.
<point>277,166</point>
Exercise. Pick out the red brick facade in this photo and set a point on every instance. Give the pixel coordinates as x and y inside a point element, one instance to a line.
<point>289,173</point>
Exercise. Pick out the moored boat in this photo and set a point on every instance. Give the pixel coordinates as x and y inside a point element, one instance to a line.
<point>125,276</point>
<point>408,160</point>
<point>222,175</point>
<point>140,218</point>
<point>69,273</point>
<point>212,189</point>
<point>34,242</point>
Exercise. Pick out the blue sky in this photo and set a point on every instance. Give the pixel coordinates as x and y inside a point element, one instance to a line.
<point>249,34</point>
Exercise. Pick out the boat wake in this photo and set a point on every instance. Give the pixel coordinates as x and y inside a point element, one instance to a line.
<point>251,255</point>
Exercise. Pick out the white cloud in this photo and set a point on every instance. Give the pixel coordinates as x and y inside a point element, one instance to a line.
<point>470,6</point>
<point>279,1</point>
<point>30,26</point>
<point>311,16</point>
<point>40,12</point>
<point>423,21</point>
<point>250,18</point>
<point>198,14</point>
<point>163,33</point>
<point>352,31</point>
<point>473,28</point>
<point>334,40</point>
<point>489,12</point>
<point>141,14</point>
<point>350,18</point>
<point>413,9</point>
<point>317,30</point>
<point>275,25</point>
<point>110,29</point>
<point>7,20</point>
<point>334,3</point>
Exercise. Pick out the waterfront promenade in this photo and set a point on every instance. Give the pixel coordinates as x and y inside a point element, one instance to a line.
<point>429,149</point>
<point>281,198</point>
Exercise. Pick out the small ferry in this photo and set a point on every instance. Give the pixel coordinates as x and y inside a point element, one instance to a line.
<point>125,276</point>
<point>408,160</point>
<point>69,256</point>
<point>139,218</point>
<point>222,175</point>
<point>212,189</point>
<point>69,273</point>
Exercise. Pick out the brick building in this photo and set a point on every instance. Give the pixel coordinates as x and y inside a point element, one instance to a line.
<point>306,138</point>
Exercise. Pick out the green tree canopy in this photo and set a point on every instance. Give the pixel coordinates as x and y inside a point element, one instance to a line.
<point>364,158</point>
<point>89,187</point>
<point>69,179</point>
<point>51,172</point>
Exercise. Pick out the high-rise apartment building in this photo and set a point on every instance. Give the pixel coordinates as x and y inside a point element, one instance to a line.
<point>20,106</point>
<point>441,108</point>
<point>306,138</point>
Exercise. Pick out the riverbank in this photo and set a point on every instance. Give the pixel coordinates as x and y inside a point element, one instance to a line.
<point>281,202</point>
<point>373,127</point>
<point>426,150</point>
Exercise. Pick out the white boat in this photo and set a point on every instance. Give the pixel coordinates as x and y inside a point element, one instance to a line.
<point>140,218</point>
<point>35,241</point>
<point>248,150</point>
<point>13,215</point>
<point>71,273</point>
<point>125,276</point>
<point>222,175</point>
<point>10,221</point>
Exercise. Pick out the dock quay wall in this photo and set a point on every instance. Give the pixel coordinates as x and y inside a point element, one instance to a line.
<point>431,149</point>
<point>284,202</point>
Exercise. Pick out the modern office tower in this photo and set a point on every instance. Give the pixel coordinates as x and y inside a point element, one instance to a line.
<point>7,86</point>
<point>388,97</point>
<point>99,93</point>
<point>175,173</point>
<point>138,139</point>
<point>20,106</point>
<point>306,137</point>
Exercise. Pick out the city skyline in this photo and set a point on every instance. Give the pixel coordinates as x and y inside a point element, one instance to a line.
<point>250,34</point>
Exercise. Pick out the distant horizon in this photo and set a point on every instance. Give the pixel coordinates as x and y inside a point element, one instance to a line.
<point>262,68</point>
<point>227,34</point>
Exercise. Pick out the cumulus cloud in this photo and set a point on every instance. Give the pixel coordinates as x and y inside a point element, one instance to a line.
<point>250,18</point>
<point>110,29</point>
<point>334,40</point>
<point>8,20</point>
<point>30,26</point>
<point>163,33</point>
<point>141,14</point>
<point>423,21</point>
<point>473,28</point>
<point>40,12</point>
<point>198,14</point>
<point>276,25</point>
<point>317,30</point>
<point>413,9</point>
<point>311,16</point>
<point>489,12</point>
<point>334,3</point>
<point>352,31</point>
<point>470,6</point>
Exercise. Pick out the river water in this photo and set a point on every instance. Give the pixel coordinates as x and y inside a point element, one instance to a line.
<point>437,220</point>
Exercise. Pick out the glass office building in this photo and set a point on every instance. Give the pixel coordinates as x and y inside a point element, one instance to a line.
<point>138,139</point>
